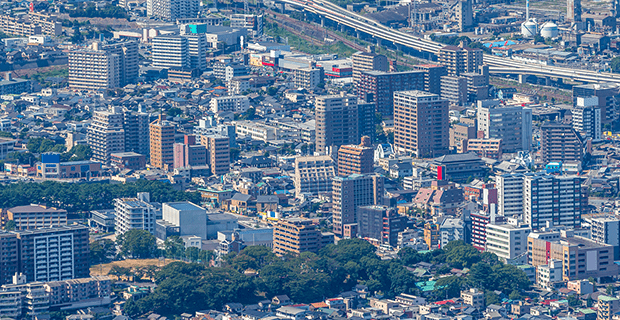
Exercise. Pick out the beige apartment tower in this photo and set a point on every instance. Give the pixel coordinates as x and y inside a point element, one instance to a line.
<point>94,69</point>
<point>218,153</point>
<point>420,124</point>
<point>106,134</point>
<point>313,175</point>
<point>161,133</point>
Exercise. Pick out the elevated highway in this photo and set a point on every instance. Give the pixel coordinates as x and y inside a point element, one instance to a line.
<point>497,65</point>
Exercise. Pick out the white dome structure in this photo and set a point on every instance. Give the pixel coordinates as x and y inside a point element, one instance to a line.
<point>549,30</point>
<point>529,28</point>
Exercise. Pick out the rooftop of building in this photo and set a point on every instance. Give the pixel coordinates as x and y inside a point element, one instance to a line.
<point>417,93</point>
<point>53,229</point>
<point>380,73</point>
<point>456,158</point>
<point>183,206</point>
<point>126,154</point>
<point>34,208</point>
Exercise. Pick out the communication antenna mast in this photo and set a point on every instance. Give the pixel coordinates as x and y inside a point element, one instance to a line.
<point>245,6</point>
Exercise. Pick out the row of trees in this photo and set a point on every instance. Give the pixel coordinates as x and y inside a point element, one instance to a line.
<point>91,11</point>
<point>311,277</point>
<point>142,244</point>
<point>85,197</point>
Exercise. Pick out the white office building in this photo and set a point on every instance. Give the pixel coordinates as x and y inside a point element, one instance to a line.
<point>510,194</point>
<point>507,241</point>
<point>229,103</point>
<point>190,218</point>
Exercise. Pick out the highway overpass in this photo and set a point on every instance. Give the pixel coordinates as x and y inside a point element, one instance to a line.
<point>497,65</point>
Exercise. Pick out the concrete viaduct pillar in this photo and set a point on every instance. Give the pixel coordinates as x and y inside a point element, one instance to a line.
<point>322,22</point>
<point>522,78</point>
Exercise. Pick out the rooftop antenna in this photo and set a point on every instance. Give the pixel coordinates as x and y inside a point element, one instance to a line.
<point>245,6</point>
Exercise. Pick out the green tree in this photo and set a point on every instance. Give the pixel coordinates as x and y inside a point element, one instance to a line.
<point>491,298</point>
<point>610,290</point>
<point>100,251</point>
<point>6,134</point>
<point>515,295</point>
<point>573,301</point>
<point>615,64</point>
<point>137,243</point>
<point>174,112</point>
<point>9,225</point>
<point>174,247</point>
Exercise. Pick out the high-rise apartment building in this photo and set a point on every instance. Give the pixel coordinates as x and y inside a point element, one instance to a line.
<point>560,142</point>
<point>379,87</point>
<point>54,254</point>
<point>512,124</point>
<point>313,175</point>
<point>454,89</point>
<point>336,122</point>
<point>606,229</point>
<point>586,118</point>
<point>432,76</point>
<point>136,126</point>
<point>106,134</point>
<point>380,223</point>
<point>459,60</point>
<point>218,153</point>
<point>10,256</point>
<point>420,124</point>
<point>348,194</point>
<point>607,94</point>
<point>128,59</point>
<point>36,216</point>
<point>197,50</point>
<point>92,69</point>
<point>189,154</point>
<point>368,60</point>
<point>356,159</point>
<point>104,65</point>
<point>171,10</point>
<point>557,199</point>
<point>308,78</point>
<point>297,235</point>
<point>171,51</point>
<point>134,213</point>
<point>510,194</point>
<point>161,134</point>
<point>366,119</point>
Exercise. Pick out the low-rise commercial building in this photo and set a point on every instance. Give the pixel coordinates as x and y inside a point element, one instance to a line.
<point>37,216</point>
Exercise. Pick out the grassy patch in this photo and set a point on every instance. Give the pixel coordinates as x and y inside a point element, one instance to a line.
<point>304,46</point>
<point>41,76</point>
